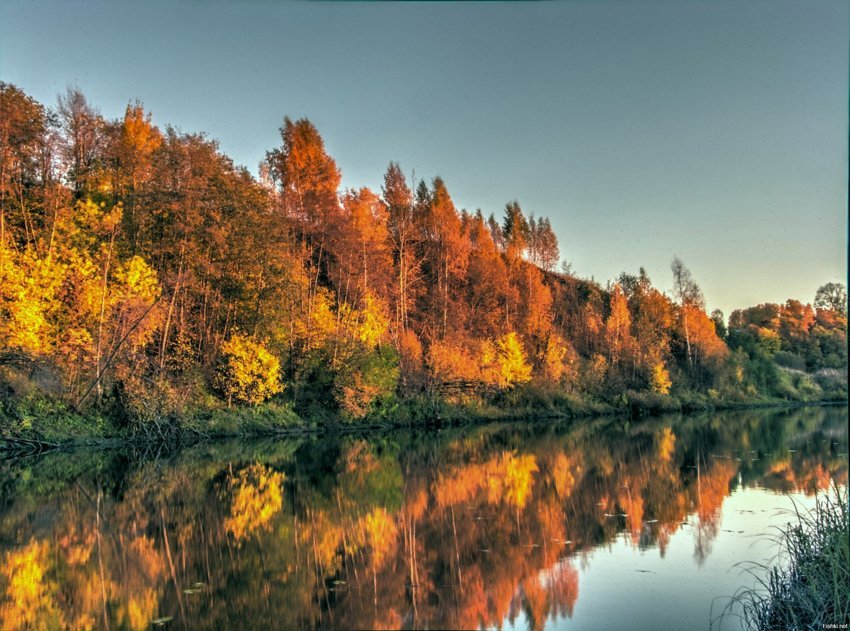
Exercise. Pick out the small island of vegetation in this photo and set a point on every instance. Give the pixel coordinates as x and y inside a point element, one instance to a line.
<point>148,287</point>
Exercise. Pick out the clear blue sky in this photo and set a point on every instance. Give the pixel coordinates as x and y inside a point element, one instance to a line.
<point>715,131</point>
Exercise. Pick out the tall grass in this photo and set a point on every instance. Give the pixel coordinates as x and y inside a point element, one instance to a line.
<point>812,589</point>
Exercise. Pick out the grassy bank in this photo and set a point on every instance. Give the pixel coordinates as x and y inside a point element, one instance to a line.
<point>813,590</point>
<point>53,423</point>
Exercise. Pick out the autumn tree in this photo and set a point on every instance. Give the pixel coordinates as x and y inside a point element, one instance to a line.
<point>618,326</point>
<point>447,251</point>
<point>542,244</point>
<point>488,292</point>
<point>515,231</point>
<point>82,128</point>
<point>25,167</point>
<point>307,180</point>
<point>248,372</point>
<point>690,299</point>
<point>403,234</point>
<point>361,247</point>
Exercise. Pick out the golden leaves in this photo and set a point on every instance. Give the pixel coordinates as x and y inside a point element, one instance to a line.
<point>249,373</point>
<point>258,497</point>
<point>29,602</point>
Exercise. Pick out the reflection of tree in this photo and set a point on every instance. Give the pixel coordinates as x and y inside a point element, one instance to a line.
<point>30,592</point>
<point>257,498</point>
<point>713,482</point>
<point>464,531</point>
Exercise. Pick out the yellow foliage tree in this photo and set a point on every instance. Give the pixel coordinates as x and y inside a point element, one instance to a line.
<point>504,363</point>
<point>660,379</point>
<point>372,323</point>
<point>248,373</point>
<point>617,326</point>
<point>559,360</point>
<point>28,287</point>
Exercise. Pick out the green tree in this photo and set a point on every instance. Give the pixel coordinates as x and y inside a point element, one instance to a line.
<point>832,296</point>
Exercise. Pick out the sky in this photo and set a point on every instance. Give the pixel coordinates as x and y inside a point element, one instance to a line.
<point>715,131</point>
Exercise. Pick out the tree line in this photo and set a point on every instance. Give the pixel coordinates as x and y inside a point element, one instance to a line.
<point>143,272</point>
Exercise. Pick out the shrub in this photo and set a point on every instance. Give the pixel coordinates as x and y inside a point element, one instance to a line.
<point>248,372</point>
<point>370,376</point>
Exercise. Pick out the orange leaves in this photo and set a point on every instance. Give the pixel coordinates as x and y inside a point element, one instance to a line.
<point>702,333</point>
<point>562,475</point>
<point>139,140</point>
<point>504,479</point>
<point>450,361</point>
<point>309,177</point>
<point>501,363</point>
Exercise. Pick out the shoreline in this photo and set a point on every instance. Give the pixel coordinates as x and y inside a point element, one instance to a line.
<point>177,437</point>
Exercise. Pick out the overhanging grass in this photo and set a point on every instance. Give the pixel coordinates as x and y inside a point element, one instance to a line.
<point>812,590</point>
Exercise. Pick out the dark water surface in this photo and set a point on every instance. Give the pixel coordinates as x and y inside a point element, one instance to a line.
<point>515,526</point>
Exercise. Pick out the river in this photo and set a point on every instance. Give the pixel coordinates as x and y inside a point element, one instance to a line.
<point>597,524</point>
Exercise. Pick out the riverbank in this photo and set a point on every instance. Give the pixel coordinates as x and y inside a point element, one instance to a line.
<point>44,424</point>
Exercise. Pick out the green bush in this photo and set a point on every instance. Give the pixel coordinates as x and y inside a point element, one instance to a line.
<point>790,360</point>
<point>366,381</point>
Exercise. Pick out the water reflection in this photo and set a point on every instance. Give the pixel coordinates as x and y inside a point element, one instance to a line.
<point>460,529</point>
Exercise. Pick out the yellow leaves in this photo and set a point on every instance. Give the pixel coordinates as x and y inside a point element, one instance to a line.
<point>381,532</point>
<point>258,497</point>
<point>29,603</point>
<point>506,363</point>
<point>618,323</point>
<point>322,319</point>
<point>559,359</point>
<point>141,609</point>
<point>28,288</point>
<point>518,478</point>
<point>325,536</point>
<point>373,324</point>
<point>248,372</point>
<point>58,302</point>
<point>139,134</point>
<point>501,363</point>
<point>139,279</point>
<point>660,379</point>
<point>666,444</point>
<point>506,478</point>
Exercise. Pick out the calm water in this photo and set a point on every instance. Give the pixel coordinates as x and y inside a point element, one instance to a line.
<point>505,526</point>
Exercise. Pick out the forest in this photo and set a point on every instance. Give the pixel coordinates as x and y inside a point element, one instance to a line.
<point>148,284</point>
